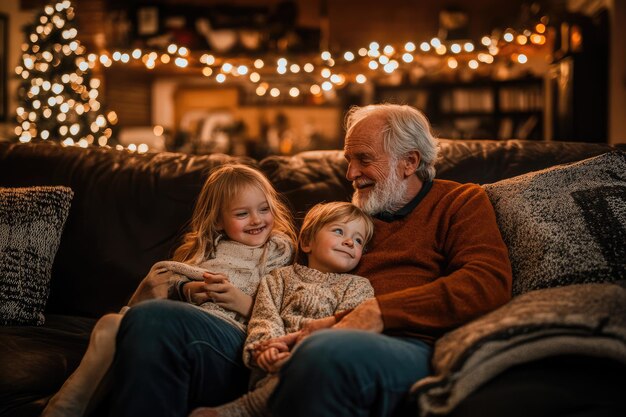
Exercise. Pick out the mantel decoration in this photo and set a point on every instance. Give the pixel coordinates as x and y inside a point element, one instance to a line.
<point>59,98</point>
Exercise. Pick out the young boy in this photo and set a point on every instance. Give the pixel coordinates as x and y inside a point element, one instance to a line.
<point>331,242</point>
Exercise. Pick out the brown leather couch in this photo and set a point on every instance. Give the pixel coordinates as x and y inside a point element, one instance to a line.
<point>129,211</point>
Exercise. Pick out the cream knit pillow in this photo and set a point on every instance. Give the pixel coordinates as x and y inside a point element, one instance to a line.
<point>31,223</point>
<point>565,224</point>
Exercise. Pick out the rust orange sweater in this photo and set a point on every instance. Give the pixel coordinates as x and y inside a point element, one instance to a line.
<point>441,266</point>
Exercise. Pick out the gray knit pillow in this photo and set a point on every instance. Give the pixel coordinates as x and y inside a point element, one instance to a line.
<point>31,223</point>
<point>565,224</point>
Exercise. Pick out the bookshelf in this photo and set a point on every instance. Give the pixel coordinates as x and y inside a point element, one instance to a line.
<point>485,109</point>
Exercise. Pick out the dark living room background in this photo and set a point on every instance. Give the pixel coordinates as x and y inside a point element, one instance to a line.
<point>261,77</point>
<point>115,114</point>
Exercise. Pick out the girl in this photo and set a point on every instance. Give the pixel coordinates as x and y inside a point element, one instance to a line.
<point>331,243</point>
<point>240,230</point>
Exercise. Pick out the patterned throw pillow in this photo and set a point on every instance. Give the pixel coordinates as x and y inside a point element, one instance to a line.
<point>31,223</point>
<point>565,224</point>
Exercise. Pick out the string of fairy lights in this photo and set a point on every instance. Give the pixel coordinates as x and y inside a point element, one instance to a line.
<point>328,71</point>
<point>63,103</point>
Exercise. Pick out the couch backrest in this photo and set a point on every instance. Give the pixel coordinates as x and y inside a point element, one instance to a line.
<point>130,210</point>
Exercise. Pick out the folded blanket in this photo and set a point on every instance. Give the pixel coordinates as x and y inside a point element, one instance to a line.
<point>587,319</point>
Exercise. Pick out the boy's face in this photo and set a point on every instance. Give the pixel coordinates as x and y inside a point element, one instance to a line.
<point>337,247</point>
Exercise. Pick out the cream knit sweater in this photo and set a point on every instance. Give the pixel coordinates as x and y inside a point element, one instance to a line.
<point>243,265</point>
<point>290,295</point>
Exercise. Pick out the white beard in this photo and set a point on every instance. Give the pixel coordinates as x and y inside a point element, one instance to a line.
<point>388,195</point>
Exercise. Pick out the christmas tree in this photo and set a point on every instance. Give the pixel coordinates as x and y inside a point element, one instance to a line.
<point>58,98</point>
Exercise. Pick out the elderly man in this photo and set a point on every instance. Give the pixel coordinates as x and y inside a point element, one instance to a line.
<point>437,261</point>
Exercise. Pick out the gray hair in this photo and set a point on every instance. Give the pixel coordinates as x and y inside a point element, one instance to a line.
<point>406,130</point>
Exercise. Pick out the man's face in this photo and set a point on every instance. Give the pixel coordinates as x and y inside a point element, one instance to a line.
<point>375,175</point>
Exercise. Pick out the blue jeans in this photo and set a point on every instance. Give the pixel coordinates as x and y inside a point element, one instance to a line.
<point>349,373</point>
<point>172,357</point>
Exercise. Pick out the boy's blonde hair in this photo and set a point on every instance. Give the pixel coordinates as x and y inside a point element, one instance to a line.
<point>324,213</point>
<point>223,185</point>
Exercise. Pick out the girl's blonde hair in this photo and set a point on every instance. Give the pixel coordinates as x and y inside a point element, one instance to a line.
<point>223,186</point>
<point>324,213</point>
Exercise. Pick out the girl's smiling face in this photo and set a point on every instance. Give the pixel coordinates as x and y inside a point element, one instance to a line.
<point>248,218</point>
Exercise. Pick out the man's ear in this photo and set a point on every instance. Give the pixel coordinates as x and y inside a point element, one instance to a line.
<point>410,163</point>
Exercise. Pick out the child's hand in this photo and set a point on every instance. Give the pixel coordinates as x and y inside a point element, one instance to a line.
<point>196,292</point>
<point>270,360</point>
<point>282,343</point>
<point>223,293</point>
<point>286,342</point>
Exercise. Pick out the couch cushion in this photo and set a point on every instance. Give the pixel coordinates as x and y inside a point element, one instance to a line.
<point>36,360</point>
<point>565,224</point>
<point>31,223</point>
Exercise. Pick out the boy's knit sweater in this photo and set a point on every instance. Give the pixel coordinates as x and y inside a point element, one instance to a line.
<point>441,266</point>
<point>287,296</point>
<point>243,265</point>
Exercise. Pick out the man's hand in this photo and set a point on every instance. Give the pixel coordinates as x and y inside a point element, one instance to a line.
<point>223,293</point>
<point>313,325</point>
<point>366,316</point>
<point>310,326</point>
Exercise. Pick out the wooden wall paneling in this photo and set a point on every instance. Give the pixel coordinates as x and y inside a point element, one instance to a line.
<point>129,94</point>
